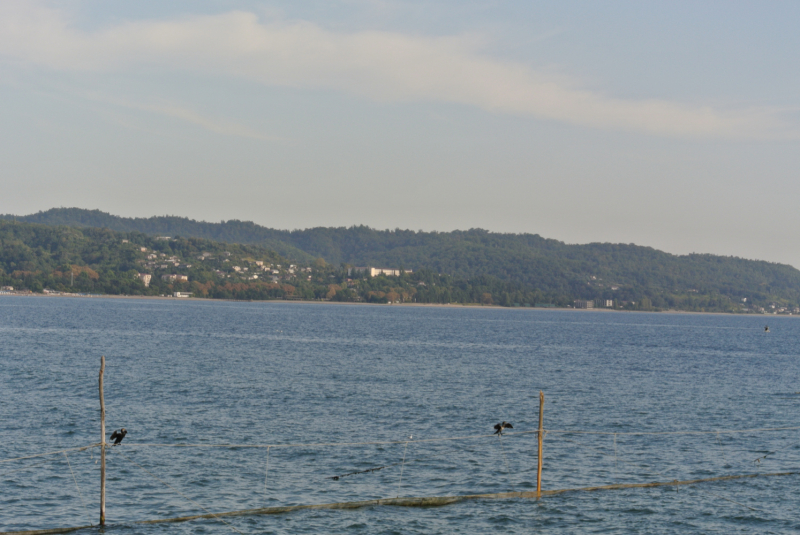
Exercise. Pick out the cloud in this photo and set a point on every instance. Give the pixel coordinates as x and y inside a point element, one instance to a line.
<point>379,65</point>
<point>217,125</point>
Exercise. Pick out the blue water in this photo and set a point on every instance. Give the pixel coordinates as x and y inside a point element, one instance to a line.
<point>200,372</point>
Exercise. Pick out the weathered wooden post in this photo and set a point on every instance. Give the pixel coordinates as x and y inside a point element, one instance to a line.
<point>102,446</point>
<point>541,438</point>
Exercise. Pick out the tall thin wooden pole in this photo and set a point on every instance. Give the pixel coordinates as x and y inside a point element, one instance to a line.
<point>541,438</point>
<point>102,446</point>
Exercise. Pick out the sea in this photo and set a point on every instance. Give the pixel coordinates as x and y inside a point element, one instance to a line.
<point>240,405</point>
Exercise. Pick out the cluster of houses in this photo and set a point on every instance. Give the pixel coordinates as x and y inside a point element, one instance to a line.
<point>248,270</point>
<point>775,309</point>
<point>161,261</point>
<point>271,272</point>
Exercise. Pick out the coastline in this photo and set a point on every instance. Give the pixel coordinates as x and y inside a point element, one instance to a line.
<point>350,303</point>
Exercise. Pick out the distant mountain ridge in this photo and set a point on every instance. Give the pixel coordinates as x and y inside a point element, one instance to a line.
<point>590,271</point>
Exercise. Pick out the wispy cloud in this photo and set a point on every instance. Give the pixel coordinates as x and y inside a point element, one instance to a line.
<point>379,65</point>
<point>112,105</point>
<point>212,124</point>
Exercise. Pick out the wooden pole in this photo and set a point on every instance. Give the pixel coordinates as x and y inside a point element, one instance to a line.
<point>541,438</point>
<point>102,446</point>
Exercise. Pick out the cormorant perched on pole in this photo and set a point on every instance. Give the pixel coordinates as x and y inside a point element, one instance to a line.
<point>118,435</point>
<point>502,425</point>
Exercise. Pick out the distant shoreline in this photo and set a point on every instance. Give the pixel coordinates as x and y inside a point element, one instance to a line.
<point>350,303</point>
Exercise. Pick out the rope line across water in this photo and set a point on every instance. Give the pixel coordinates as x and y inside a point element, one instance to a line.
<point>428,501</point>
<point>465,437</point>
<point>661,474</point>
<point>50,453</point>
<point>417,441</point>
<point>716,431</point>
<point>213,515</point>
<point>80,494</point>
<point>321,444</point>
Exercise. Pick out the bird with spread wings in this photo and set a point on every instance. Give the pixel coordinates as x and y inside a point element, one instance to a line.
<point>118,435</point>
<point>501,426</point>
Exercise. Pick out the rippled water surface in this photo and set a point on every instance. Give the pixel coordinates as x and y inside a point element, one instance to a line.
<point>202,373</point>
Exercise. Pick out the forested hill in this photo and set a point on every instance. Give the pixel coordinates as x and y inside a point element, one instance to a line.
<point>591,271</point>
<point>232,231</point>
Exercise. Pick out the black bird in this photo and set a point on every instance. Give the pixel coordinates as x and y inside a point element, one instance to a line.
<point>766,328</point>
<point>502,425</point>
<point>118,435</point>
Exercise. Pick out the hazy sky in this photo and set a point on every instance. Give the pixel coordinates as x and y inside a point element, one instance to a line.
<point>674,124</point>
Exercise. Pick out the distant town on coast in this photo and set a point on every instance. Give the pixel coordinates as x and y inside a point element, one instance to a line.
<point>76,251</point>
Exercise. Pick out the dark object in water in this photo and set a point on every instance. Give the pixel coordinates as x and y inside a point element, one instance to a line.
<point>367,471</point>
<point>502,425</point>
<point>766,328</point>
<point>118,435</point>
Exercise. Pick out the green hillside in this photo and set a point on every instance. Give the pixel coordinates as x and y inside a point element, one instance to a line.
<point>61,259</point>
<point>527,262</point>
<point>229,232</point>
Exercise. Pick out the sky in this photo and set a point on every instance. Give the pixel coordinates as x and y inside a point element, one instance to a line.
<point>674,125</point>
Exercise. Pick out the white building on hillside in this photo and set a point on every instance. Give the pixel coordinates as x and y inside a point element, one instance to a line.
<point>374,272</point>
